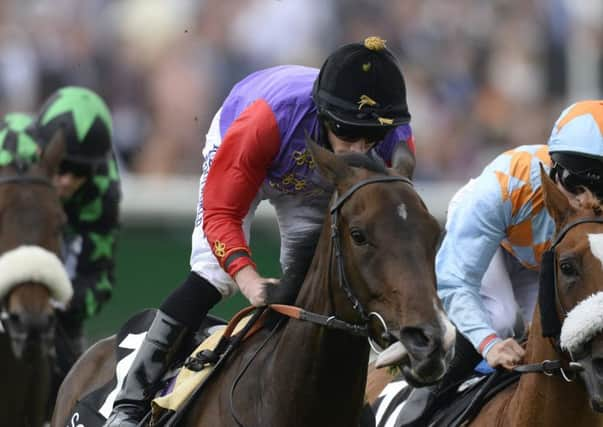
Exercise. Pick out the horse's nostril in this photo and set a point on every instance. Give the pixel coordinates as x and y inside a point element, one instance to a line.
<point>415,338</point>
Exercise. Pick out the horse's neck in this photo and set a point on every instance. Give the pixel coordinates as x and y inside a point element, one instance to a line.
<point>328,363</point>
<point>547,400</point>
<point>323,295</point>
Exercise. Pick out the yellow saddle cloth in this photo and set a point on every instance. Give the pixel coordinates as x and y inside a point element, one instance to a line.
<point>187,380</point>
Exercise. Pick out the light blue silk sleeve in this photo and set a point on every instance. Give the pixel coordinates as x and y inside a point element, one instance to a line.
<point>477,222</point>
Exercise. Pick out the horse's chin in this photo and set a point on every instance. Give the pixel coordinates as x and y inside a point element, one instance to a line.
<point>597,404</point>
<point>424,373</point>
<point>417,372</point>
<point>595,391</point>
<point>592,377</point>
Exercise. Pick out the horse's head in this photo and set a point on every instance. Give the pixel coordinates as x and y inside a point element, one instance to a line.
<point>572,309</point>
<point>387,239</point>
<point>31,273</point>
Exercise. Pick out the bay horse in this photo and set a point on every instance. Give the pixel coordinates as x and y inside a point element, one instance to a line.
<point>371,275</point>
<point>562,375</point>
<point>32,281</point>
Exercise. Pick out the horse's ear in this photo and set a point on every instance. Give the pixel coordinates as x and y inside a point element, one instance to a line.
<point>52,154</point>
<point>556,203</point>
<point>403,160</point>
<point>329,165</point>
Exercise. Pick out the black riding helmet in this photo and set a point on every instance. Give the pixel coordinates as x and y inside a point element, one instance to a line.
<point>17,140</point>
<point>361,86</point>
<point>86,121</point>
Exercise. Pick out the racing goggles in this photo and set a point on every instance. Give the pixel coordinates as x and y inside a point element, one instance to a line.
<point>353,133</point>
<point>576,182</point>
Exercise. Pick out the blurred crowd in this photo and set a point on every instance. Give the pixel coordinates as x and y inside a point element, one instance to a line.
<point>481,75</point>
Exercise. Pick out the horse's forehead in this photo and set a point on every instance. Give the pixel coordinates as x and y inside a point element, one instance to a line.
<point>584,239</point>
<point>22,195</point>
<point>397,198</point>
<point>29,208</point>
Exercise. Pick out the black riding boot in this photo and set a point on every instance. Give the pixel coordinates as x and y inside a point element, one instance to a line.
<point>149,366</point>
<point>420,403</point>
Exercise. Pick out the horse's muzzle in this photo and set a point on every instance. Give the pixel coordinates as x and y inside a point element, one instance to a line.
<point>591,373</point>
<point>423,354</point>
<point>31,335</point>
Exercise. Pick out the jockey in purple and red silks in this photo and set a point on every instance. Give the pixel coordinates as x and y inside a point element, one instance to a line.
<point>255,150</point>
<point>256,144</point>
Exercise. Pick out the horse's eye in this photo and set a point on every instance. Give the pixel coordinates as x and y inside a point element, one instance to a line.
<point>358,236</point>
<point>568,269</point>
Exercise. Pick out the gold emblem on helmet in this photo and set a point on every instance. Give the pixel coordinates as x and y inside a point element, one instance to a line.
<point>385,121</point>
<point>366,100</point>
<point>374,43</point>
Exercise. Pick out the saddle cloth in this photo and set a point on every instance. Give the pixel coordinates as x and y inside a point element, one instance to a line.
<point>454,407</point>
<point>187,380</point>
<point>93,409</point>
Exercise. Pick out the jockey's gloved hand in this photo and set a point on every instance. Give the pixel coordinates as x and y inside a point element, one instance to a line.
<point>252,285</point>
<point>507,353</point>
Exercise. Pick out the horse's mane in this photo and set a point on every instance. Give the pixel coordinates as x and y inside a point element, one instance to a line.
<point>294,273</point>
<point>588,201</point>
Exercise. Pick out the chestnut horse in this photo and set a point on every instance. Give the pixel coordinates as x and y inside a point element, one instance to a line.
<point>31,277</point>
<point>372,275</point>
<point>564,350</point>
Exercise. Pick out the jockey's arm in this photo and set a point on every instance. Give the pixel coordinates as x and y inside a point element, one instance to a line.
<point>234,179</point>
<point>476,225</point>
<point>94,280</point>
